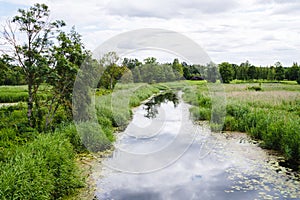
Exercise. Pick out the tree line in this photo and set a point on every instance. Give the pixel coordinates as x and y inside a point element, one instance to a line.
<point>46,54</point>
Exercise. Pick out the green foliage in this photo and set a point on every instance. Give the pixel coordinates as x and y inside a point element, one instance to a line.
<point>69,132</point>
<point>93,136</point>
<point>43,169</point>
<point>200,113</point>
<point>256,88</point>
<point>273,120</point>
<point>10,74</point>
<point>298,79</point>
<point>226,72</point>
<point>32,52</point>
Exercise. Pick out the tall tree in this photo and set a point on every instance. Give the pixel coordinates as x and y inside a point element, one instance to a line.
<point>177,68</point>
<point>31,52</point>
<point>271,73</point>
<point>251,72</point>
<point>212,72</point>
<point>131,63</point>
<point>292,72</point>
<point>112,72</point>
<point>68,55</point>
<point>226,71</point>
<point>279,71</point>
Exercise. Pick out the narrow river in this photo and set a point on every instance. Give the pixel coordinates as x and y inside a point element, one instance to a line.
<point>163,155</point>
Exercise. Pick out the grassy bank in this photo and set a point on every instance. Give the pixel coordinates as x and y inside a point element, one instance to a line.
<point>43,165</point>
<point>271,114</point>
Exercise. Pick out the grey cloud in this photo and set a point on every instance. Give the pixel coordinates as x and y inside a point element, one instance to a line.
<point>269,38</point>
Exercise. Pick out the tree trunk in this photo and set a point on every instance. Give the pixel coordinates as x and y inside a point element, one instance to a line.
<point>111,82</point>
<point>30,102</point>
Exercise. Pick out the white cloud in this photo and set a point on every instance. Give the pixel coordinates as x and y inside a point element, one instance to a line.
<point>262,31</point>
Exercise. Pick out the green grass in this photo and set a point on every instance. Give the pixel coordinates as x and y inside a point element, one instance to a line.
<point>42,169</point>
<point>114,110</point>
<point>11,94</point>
<point>271,115</point>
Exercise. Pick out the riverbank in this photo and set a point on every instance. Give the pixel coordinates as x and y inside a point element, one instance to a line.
<point>271,115</point>
<point>228,165</point>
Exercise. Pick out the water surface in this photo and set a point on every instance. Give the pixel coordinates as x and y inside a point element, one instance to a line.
<point>163,155</point>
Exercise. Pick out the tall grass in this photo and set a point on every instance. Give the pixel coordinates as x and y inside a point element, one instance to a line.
<point>42,169</point>
<point>114,110</point>
<point>12,94</point>
<point>271,115</point>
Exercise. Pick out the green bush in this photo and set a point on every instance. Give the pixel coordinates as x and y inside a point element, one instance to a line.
<point>69,132</point>
<point>200,113</point>
<point>93,136</point>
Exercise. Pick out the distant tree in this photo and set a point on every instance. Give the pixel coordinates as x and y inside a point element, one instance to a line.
<point>112,71</point>
<point>226,71</point>
<point>298,79</point>
<point>251,72</point>
<point>136,74</point>
<point>131,63</point>
<point>10,74</point>
<point>31,50</point>
<point>271,73</point>
<point>235,69</point>
<point>177,68</point>
<point>147,73</point>
<point>150,60</point>
<point>279,71</point>
<point>244,67</point>
<point>212,72</point>
<point>292,72</point>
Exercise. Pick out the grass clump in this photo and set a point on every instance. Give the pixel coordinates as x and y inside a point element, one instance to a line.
<point>42,169</point>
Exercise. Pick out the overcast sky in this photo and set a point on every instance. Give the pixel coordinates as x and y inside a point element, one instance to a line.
<point>261,31</point>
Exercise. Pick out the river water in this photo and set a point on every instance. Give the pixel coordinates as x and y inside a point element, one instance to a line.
<point>164,155</point>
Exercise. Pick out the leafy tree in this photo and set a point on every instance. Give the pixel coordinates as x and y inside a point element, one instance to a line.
<point>212,72</point>
<point>31,52</point>
<point>150,60</point>
<point>298,80</point>
<point>279,71</point>
<point>68,55</point>
<point>136,75</point>
<point>251,72</point>
<point>292,72</point>
<point>9,73</point>
<point>226,72</point>
<point>131,63</point>
<point>271,73</point>
<point>177,68</point>
<point>112,72</point>
<point>243,75</point>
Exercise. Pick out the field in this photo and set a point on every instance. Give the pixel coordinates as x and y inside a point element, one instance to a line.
<point>270,114</point>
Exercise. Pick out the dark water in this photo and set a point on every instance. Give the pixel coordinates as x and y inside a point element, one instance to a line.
<point>163,155</point>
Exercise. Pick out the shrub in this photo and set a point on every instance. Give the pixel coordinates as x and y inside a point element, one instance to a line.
<point>93,136</point>
<point>200,113</point>
<point>256,88</point>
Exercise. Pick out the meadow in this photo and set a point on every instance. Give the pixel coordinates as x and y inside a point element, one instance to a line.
<point>270,115</point>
